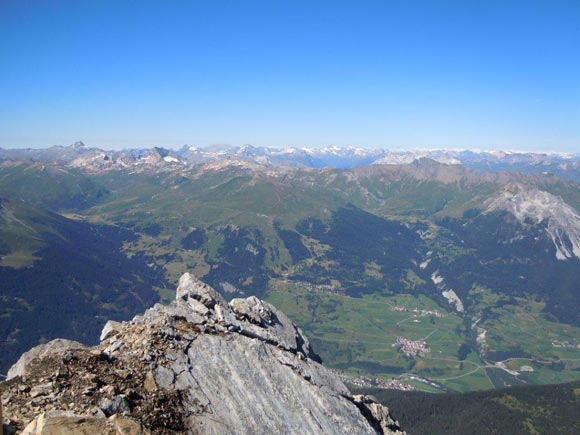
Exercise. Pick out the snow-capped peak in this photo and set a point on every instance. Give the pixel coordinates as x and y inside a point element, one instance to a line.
<point>406,157</point>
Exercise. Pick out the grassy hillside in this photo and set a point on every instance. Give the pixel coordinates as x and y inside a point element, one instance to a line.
<point>49,186</point>
<point>338,250</point>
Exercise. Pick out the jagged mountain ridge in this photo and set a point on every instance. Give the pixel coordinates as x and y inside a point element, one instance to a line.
<point>80,155</point>
<point>199,365</point>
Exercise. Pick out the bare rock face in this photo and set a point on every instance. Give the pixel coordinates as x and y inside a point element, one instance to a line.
<point>531,205</point>
<point>198,365</point>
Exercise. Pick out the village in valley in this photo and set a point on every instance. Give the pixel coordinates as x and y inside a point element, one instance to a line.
<point>411,348</point>
<point>369,382</point>
<point>422,313</point>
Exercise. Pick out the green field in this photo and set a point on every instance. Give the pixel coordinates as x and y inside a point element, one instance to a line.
<point>547,347</point>
<point>357,335</point>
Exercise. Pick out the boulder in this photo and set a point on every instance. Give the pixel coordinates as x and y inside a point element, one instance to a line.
<point>191,287</point>
<point>110,328</point>
<point>252,309</point>
<point>54,347</point>
<point>117,405</point>
<point>68,423</point>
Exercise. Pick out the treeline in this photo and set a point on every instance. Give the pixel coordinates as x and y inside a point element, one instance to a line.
<point>538,409</point>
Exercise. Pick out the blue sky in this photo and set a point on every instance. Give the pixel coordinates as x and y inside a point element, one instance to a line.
<point>394,74</point>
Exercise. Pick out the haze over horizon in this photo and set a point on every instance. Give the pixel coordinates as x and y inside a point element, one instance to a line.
<point>313,147</point>
<point>395,75</point>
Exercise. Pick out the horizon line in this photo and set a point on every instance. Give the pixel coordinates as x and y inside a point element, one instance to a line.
<point>370,148</point>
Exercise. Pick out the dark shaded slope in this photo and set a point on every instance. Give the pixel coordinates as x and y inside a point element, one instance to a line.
<point>512,260</point>
<point>358,238</point>
<point>80,278</point>
<point>538,409</point>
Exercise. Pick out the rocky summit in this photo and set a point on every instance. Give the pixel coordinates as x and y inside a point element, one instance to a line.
<point>199,365</point>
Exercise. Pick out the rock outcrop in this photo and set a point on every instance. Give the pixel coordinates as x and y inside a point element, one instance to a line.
<point>54,347</point>
<point>198,365</point>
<point>532,206</point>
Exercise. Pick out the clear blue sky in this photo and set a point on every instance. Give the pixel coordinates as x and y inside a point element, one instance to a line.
<point>396,74</point>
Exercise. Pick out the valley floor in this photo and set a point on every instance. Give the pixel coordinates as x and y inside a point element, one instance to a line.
<point>441,351</point>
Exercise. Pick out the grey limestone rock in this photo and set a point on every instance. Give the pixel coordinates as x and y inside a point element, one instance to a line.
<point>69,423</point>
<point>110,328</point>
<point>191,287</point>
<point>266,322</point>
<point>117,405</point>
<point>58,346</point>
<point>201,365</point>
<point>253,309</point>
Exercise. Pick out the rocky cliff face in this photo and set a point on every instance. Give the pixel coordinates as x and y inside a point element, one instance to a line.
<point>532,206</point>
<point>199,365</point>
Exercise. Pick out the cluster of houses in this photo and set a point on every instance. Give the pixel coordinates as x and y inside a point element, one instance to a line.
<point>394,384</point>
<point>565,343</point>
<point>412,347</point>
<point>368,382</point>
<point>423,313</point>
<point>308,286</point>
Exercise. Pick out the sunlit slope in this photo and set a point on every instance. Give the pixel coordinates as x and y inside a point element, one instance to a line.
<point>322,242</point>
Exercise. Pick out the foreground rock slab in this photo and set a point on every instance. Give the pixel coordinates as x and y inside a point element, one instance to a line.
<point>198,365</point>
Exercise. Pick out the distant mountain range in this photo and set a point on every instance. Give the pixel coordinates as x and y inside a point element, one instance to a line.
<point>476,264</point>
<point>79,155</point>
